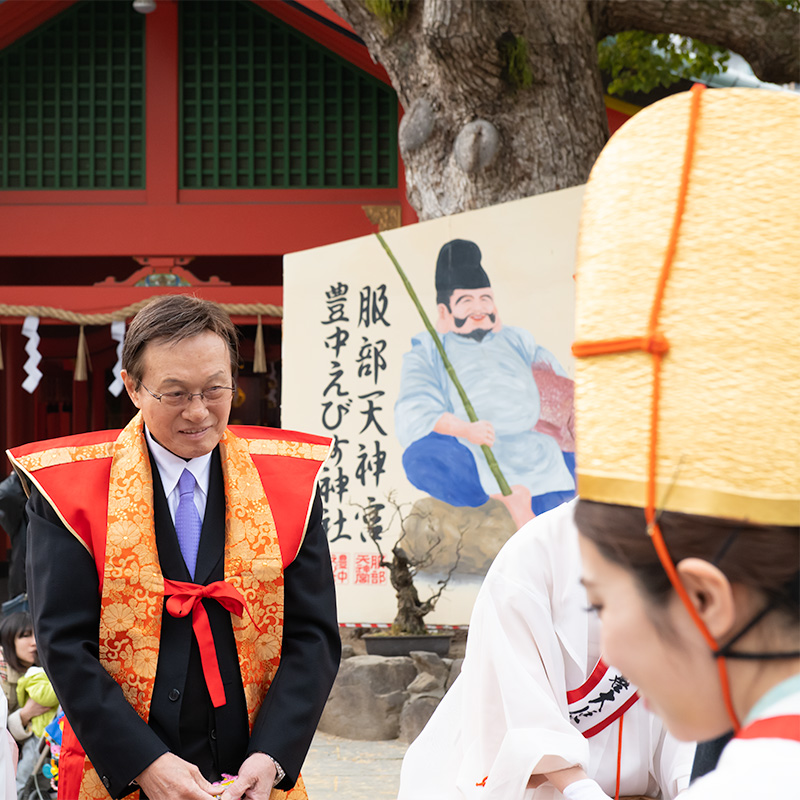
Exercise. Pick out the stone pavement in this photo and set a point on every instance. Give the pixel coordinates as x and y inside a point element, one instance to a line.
<point>344,769</point>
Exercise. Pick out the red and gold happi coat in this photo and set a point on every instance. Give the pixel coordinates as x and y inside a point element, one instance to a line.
<point>101,486</point>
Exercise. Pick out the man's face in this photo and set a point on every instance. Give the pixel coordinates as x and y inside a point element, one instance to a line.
<point>470,310</point>
<point>191,365</point>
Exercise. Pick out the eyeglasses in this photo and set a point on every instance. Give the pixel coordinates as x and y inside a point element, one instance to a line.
<point>214,394</point>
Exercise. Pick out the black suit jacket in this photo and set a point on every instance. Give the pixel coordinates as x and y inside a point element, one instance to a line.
<point>64,599</point>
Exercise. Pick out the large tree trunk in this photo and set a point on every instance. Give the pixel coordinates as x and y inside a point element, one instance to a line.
<point>444,62</point>
<point>472,136</point>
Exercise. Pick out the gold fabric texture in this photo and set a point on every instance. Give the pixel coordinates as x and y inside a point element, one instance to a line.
<point>729,438</point>
<point>280,447</point>
<point>133,585</point>
<point>65,455</point>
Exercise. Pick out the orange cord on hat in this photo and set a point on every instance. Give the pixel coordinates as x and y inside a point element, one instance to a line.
<point>619,756</point>
<point>655,343</point>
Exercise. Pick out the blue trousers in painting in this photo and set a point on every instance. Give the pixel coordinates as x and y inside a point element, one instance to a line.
<point>442,467</point>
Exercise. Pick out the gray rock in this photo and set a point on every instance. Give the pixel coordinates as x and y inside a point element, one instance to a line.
<point>348,651</point>
<point>425,683</point>
<point>381,675</point>
<point>415,716</point>
<point>354,713</point>
<point>455,671</point>
<point>367,698</point>
<point>429,664</point>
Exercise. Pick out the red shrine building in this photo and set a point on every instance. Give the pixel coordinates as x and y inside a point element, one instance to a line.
<point>183,150</point>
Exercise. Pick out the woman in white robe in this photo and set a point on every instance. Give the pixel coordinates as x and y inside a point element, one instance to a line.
<point>687,420</point>
<point>8,753</point>
<point>507,717</point>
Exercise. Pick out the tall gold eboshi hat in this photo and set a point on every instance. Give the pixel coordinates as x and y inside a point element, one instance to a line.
<point>687,387</point>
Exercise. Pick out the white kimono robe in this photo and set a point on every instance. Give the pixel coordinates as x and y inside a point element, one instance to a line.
<point>751,769</point>
<point>8,761</point>
<point>531,640</point>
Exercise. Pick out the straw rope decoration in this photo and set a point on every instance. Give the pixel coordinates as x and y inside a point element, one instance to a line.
<point>655,343</point>
<point>121,314</point>
<point>267,309</point>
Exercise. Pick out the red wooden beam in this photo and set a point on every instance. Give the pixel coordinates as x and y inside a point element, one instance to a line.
<point>70,197</point>
<point>161,97</point>
<point>163,220</point>
<point>20,17</point>
<point>214,229</point>
<point>322,9</point>
<point>19,414</point>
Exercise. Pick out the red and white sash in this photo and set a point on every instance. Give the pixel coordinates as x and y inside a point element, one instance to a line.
<point>604,697</point>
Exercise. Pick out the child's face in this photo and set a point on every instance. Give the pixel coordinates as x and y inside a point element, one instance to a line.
<point>25,645</point>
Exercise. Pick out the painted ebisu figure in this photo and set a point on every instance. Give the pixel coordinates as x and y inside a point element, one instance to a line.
<point>495,364</point>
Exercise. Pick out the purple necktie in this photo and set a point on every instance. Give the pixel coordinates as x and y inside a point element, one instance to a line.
<point>187,521</point>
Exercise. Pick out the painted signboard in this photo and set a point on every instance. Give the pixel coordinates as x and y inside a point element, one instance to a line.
<point>452,418</point>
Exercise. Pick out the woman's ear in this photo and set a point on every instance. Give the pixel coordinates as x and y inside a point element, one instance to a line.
<point>711,593</point>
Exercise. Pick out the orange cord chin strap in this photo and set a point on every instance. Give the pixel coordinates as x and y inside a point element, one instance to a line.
<point>655,343</point>
<point>619,757</point>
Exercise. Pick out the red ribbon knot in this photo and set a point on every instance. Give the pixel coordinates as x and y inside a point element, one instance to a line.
<point>186,598</point>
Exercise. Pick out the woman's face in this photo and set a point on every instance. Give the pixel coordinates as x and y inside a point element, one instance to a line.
<point>25,645</point>
<point>658,649</point>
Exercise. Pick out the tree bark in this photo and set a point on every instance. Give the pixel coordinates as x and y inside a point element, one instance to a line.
<point>471,139</point>
<point>445,65</point>
<point>411,611</point>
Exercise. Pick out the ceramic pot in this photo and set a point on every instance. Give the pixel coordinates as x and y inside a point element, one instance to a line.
<point>379,644</point>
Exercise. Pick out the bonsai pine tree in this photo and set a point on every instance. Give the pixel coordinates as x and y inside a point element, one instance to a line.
<point>403,569</point>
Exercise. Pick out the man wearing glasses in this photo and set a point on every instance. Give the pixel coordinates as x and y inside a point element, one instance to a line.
<point>198,553</point>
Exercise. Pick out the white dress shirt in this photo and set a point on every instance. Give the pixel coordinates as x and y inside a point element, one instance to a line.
<point>171,467</point>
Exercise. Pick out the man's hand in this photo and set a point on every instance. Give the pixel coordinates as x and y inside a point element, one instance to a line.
<point>171,778</point>
<point>255,780</point>
<point>480,432</point>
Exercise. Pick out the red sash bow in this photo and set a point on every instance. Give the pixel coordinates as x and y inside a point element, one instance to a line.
<point>185,598</point>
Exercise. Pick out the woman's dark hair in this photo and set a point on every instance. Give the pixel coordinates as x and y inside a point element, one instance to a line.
<point>11,628</point>
<point>171,319</point>
<point>763,557</point>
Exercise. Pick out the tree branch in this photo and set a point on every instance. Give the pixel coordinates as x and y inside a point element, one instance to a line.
<point>403,568</point>
<point>766,35</point>
<point>430,603</point>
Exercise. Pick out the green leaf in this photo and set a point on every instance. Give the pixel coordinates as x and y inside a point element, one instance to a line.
<point>638,61</point>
